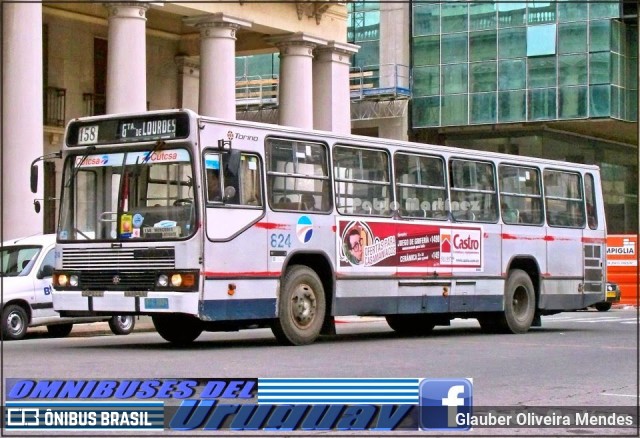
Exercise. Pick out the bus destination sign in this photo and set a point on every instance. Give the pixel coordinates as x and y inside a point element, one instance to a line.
<point>128,129</point>
<point>148,129</point>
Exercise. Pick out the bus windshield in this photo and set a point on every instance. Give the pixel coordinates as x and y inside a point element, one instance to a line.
<point>141,195</point>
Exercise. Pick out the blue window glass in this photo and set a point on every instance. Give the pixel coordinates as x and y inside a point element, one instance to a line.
<point>570,10</point>
<point>599,68</point>
<point>454,48</point>
<point>482,45</point>
<point>454,110</point>
<point>541,12</point>
<point>542,104</point>
<point>512,106</point>
<point>483,107</point>
<point>511,13</point>
<point>482,16</point>
<point>454,78</point>
<point>542,71</point>
<point>599,35</point>
<point>572,102</point>
<point>426,50</point>
<point>425,111</point>
<point>454,17</point>
<point>483,76</point>
<point>426,20</point>
<point>599,101</point>
<point>572,37</point>
<point>512,74</point>
<point>572,69</point>
<point>604,10</point>
<point>512,42</point>
<point>426,81</point>
<point>541,40</point>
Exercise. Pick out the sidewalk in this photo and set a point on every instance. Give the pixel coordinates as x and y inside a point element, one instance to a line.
<point>143,324</point>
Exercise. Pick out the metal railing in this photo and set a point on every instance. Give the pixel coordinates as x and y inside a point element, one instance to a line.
<point>393,80</point>
<point>54,106</point>
<point>257,90</point>
<point>94,104</point>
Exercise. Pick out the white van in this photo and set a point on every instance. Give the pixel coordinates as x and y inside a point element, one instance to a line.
<point>26,267</point>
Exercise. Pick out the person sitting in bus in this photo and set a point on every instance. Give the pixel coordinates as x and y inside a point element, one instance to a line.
<point>509,215</point>
<point>307,202</point>
<point>214,193</point>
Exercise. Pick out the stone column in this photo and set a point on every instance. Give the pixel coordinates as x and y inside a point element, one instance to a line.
<point>127,58</point>
<point>218,63</point>
<point>331,95</point>
<point>22,120</point>
<point>295,100</point>
<point>188,82</point>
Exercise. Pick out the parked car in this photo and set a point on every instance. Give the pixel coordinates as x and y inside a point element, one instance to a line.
<point>26,267</point>
<point>613,296</point>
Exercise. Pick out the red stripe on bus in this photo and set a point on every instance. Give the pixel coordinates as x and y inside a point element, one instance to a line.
<point>593,240</point>
<point>271,226</point>
<point>242,274</point>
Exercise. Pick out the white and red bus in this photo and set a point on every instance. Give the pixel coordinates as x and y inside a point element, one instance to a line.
<point>211,225</point>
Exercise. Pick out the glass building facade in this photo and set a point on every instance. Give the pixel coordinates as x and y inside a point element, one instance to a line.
<point>486,63</point>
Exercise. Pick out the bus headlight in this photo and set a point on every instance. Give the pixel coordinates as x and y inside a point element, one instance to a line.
<point>163,280</point>
<point>61,280</point>
<point>73,281</point>
<point>178,280</point>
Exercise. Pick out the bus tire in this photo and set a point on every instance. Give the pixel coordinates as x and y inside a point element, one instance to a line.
<point>301,307</point>
<point>122,324</point>
<point>178,329</point>
<point>59,330</point>
<point>603,306</point>
<point>14,322</point>
<point>410,325</point>
<point>519,302</point>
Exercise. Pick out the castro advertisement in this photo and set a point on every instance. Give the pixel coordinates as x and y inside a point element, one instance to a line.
<point>379,243</point>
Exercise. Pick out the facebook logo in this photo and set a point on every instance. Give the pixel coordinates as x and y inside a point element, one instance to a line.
<point>445,404</point>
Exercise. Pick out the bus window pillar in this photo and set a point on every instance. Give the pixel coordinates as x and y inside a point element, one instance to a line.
<point>295,100</point>
<point>217,63</point>
<point>126,59</point>
<point>331,95</point>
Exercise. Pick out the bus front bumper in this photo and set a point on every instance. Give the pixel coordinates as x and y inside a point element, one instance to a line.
<point>70,303</point>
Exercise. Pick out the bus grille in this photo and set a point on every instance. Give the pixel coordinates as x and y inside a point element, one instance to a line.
<point>118,268</point>
<point>118,258</point>
<point>117,280</point>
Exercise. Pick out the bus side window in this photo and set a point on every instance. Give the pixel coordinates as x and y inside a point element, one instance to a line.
<point>590,196</point>
<point>564,200</point>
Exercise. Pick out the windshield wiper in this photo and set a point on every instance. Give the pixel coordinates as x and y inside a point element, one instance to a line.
<point>76,169</point>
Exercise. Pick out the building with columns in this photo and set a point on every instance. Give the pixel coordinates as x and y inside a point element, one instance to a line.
<point>67,60</point>
<point>549,79</point>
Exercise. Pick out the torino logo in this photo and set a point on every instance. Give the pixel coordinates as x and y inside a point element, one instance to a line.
<point>465,243</point>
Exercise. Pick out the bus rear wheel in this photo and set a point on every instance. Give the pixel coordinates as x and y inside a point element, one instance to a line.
<point>411,325</point>
<point>519,303</point>
<point>59,330</point>
<point>178,329</point>
<point>301,307</point>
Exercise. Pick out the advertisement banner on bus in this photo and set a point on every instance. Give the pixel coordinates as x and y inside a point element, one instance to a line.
<point>376,243</point>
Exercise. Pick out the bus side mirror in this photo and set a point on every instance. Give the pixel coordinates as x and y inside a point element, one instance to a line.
<point>34,178</point>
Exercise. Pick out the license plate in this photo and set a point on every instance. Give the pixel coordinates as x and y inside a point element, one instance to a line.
<point>611,294</point>
<point>93,293</point>
<point>156,303</point>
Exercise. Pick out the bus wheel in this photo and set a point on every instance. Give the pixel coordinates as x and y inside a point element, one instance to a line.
<point>122,324</point>
<point>603,306</point>
<point>519,302</point>
<point>14,322</point>
<point>301,307</point>
<point>59,330</point>
<point>178,329</point>
<point>410,325</point>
